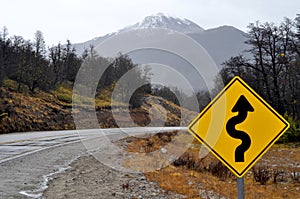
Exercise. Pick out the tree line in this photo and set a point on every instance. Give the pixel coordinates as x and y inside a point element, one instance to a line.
<point>32,64</point>
<point>272,64</point>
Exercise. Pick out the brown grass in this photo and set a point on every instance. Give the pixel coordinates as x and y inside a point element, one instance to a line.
<point>27,111</point>
<point>195,177</point>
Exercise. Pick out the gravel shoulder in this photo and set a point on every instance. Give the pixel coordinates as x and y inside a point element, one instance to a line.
<point>88,178</point>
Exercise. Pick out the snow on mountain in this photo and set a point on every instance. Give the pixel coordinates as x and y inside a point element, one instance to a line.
<point>162,21</point>
<point>221,43</point>
<point>154,21</point>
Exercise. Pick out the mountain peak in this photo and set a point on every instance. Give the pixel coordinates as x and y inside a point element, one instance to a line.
<point>161,20</point>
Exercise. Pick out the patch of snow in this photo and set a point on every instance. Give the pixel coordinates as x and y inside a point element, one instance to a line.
<point>162,21</point>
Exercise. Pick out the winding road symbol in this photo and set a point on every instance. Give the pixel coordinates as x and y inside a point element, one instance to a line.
<point>238,126</point>
<point>242,106</point>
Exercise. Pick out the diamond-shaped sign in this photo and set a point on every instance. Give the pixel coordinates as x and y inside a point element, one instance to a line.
<point>238,126</point>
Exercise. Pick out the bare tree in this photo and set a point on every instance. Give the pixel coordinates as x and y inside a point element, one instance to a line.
<point>35,72</point>
<point>5,52</point>
<point>271,67</point>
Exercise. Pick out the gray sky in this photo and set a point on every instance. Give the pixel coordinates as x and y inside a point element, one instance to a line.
<point>81,20</point>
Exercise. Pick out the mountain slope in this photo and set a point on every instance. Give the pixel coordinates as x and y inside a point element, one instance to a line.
<point>221,42</point>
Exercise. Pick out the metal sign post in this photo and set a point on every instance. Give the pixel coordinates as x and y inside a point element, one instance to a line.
<point>240,186</point>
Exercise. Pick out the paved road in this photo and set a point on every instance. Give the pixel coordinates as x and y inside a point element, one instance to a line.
<point>27,160</point>
<point>19,144</point>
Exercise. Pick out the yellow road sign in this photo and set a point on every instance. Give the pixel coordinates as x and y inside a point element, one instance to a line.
<point>238,126</point>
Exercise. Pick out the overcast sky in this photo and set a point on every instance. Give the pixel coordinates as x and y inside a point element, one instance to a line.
<point>81,20</point>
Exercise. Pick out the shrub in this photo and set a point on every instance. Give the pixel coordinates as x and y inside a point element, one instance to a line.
<point>279,176</point>
<point>2,115</point>
<point>149,146</point>
<point>11,84</point>
<point>65,98</point>
<point>219,170</point>
<point>63,93</point>
<point>295,176</point>
<point>293,133</point>
<point>261,174</point>
<point>186,160</point>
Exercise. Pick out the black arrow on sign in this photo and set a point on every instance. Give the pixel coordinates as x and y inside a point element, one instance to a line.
<point>242,106</point>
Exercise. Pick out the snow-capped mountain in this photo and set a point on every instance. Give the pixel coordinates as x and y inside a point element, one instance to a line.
<point>221,43</point>
<point>162,21</point>
<point>154,21</point>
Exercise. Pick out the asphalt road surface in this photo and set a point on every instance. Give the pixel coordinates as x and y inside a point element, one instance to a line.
<point>28,160</point>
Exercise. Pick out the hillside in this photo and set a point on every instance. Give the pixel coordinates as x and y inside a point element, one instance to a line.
<point>42,111</point>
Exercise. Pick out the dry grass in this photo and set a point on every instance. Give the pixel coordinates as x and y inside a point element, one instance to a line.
<point>195,177</point>
<point>146,160</point>
<point>27,111</point>
<point>151,143</point>
<point>174,179</point>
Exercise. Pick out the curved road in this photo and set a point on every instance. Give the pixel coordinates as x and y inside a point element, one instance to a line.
<point>28,160</point>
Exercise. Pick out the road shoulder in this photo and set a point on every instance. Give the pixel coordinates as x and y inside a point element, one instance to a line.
<point>88,178</point>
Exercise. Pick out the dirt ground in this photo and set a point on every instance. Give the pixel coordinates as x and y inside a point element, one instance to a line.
<point>88,178</point>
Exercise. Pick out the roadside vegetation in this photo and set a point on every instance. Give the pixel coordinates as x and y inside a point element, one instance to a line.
<point>276,175</point>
